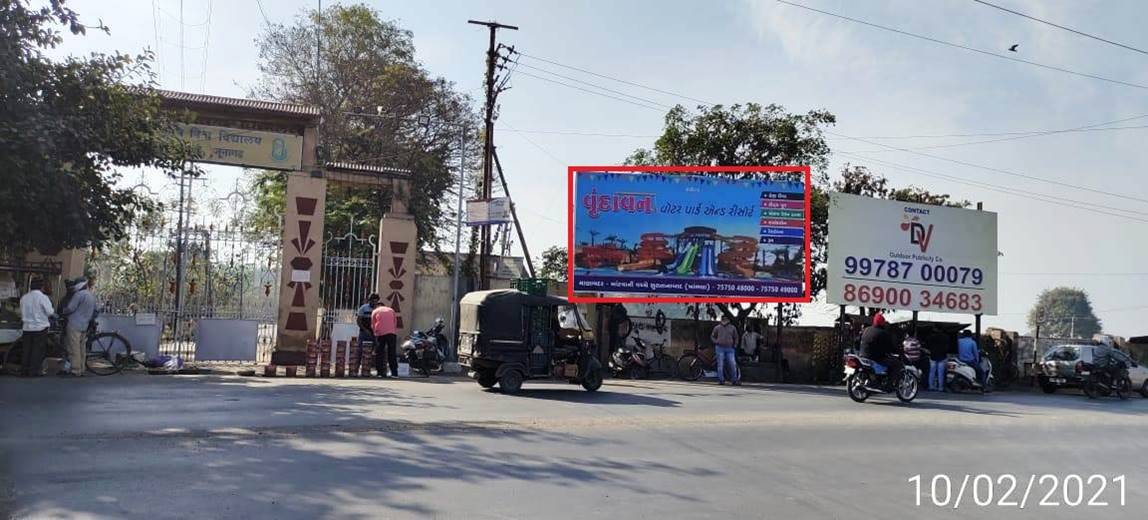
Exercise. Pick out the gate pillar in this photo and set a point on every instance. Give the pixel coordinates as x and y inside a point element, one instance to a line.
<point>398,252</point>
<point>304,208</point>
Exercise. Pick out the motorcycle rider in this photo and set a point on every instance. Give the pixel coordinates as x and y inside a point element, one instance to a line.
<point>969,353</point>
<point>877,346</point>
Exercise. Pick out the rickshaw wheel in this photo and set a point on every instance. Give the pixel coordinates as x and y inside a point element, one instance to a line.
<point>510,382</point>
<point>487,380</point>
<point>592,381</point>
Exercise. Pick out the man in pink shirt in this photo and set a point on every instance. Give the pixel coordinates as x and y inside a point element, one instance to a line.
<point>383,325</point>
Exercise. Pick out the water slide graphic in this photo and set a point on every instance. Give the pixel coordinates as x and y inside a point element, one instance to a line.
<point>687,263</point>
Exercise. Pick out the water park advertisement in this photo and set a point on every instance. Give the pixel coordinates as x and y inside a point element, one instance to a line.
<point>689,234</point>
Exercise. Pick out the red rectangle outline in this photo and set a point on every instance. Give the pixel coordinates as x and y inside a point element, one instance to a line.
<point>807,298</point>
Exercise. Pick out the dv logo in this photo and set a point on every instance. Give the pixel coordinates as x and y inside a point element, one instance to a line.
<point>919,234</point>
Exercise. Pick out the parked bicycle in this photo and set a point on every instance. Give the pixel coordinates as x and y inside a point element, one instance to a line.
<point>693,364</point>
<point>107,352</point>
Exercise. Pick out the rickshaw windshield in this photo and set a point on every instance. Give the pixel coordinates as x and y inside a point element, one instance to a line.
<point>570,318</point>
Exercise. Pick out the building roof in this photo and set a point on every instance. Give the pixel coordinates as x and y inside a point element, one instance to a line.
<point>368,168</point>
<point>272,108</point>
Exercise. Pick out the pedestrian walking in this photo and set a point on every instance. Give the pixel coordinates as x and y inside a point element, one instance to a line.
<point>724,337</point>
<point>79,312</point>
<point>939,346</point>
<point>383,326</point>
<point>36,312</point>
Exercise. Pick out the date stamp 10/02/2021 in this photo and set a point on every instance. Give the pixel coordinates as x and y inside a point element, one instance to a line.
<point>1023,491</point>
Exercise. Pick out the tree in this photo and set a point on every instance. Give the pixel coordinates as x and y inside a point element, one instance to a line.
<point>66,127</point>
<point>379,107</point>
<point>756,135</point>
<point>1064,312</point>
<point>554,263</point>
<point>746,135</point>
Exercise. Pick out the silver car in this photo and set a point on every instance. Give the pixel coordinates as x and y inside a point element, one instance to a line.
<point>1062,365</point>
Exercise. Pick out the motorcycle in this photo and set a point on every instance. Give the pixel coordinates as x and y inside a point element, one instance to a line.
<point>961,376</point>
<point>864,377</point>
<point>633,363</point>
<point>424,351</point>
<point>1104,380</point>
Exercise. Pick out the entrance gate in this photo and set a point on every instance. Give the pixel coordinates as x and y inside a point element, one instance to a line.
<point>225,293</point>
<point>350,274</point>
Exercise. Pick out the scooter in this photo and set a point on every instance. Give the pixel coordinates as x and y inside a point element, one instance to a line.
<point>864,377</point>
<point>633,363</point>
<point>961,376</point>
<point>423,351</point>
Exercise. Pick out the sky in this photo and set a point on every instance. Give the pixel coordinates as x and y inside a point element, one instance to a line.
<point>1059,222</point>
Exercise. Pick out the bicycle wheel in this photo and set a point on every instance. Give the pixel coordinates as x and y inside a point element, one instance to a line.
<point>107,353</point>
<point>690,367</point>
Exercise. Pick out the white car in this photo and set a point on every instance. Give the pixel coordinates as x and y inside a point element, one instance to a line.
<point>1059,368</point>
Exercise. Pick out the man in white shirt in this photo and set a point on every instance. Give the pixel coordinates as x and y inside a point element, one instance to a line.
<point>36,312</point>
<point>751,342</point>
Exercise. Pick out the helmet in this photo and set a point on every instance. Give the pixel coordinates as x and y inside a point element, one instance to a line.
<point>879,320</point>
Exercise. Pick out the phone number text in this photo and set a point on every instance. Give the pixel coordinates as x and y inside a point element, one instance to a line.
<point>902,270</point>
<point>903,297</point>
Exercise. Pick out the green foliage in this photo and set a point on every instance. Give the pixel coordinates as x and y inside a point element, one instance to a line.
<point>1064,312</point>
<point>751,135</point>
<point>368,66</point>
<point>65,128</point>
<point>756,135</point>
<point>553,264</point>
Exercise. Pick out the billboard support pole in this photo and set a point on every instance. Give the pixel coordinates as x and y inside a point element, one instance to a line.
<point>779,328</point>
<point>980,207</point>
<point>914,324</point>
<point>514,215</point>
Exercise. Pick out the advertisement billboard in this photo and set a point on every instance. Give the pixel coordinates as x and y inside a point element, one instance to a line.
<point>900,255</point>
<point>689,234</point>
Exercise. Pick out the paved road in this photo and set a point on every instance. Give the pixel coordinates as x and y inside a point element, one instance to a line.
<point>138,446</point>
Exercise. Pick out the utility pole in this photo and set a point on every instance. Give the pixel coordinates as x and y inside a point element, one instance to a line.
<point>455,296</point>
<point>488,145</point>
<point>514,214</point>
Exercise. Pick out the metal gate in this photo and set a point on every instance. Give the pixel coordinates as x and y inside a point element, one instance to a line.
<point>191,270</point>
<point>350,274</point>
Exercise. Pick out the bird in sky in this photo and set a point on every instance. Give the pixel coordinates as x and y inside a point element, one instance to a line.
<point>1014,46</point>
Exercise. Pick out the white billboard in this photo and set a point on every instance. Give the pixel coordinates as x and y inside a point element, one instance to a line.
<point>900,255</point>
<point>493,211</point>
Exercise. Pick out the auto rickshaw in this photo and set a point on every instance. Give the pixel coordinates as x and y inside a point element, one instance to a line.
<point>508,336</point>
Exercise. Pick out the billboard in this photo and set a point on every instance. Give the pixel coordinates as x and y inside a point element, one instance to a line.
<point>493,211</point>
<point>689,234</point>
<point>900,255</point>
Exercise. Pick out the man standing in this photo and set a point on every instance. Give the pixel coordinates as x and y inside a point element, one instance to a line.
<point>79,311</point>
<point>383,326</point>
<point>36,312</point>
<point>724,337</point>
<point>938,345</point>
<point>363,319</point>
<point>751,342</point>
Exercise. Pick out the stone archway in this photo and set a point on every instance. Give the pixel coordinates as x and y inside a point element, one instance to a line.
<point>281,136</point>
